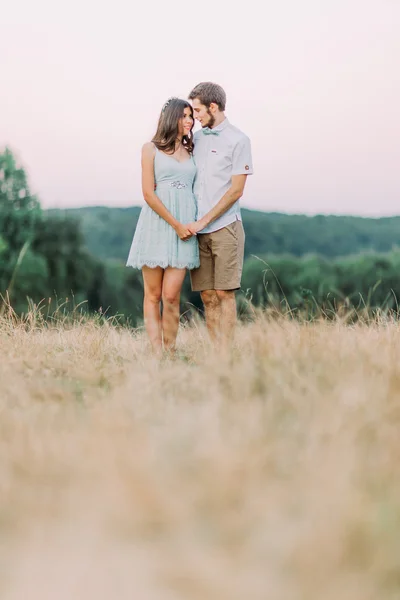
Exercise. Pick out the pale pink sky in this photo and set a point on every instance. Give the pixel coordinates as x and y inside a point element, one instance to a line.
<point>314,83</point>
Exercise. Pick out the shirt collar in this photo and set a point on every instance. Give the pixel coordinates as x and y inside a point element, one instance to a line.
<point>222,125</point>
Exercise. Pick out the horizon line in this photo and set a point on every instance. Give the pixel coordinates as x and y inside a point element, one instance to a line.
<point>269,212</point>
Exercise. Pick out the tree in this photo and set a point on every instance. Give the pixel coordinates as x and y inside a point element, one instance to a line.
<point>19,214</point>
<point>40,256</point>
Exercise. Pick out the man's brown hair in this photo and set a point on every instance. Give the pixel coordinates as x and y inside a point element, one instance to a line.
<point>208,93</point>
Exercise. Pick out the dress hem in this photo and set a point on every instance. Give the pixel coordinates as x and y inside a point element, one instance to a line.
<point>163,265</point>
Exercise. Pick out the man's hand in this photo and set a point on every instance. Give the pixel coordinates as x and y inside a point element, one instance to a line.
<point>195,227</point>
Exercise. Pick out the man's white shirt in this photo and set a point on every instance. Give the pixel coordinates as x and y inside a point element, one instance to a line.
<point>218,158</point>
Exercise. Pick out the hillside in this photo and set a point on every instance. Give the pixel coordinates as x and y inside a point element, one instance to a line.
<point>108,232</point>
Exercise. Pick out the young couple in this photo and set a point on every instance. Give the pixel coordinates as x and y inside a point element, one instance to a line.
<point>191,219</point>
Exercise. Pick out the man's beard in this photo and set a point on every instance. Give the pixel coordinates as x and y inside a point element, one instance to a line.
<point>211,120</point>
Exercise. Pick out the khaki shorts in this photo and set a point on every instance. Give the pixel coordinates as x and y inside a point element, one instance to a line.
<point>221,259</point>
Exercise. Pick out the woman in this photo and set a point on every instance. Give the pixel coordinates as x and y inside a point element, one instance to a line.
<point>162,246</point>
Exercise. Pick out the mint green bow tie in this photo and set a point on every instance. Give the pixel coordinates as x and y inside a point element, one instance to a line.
<point>208,131</point>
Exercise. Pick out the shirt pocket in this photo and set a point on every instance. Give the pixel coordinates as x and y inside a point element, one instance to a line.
<point>220,160</point>
<point>231,229</point>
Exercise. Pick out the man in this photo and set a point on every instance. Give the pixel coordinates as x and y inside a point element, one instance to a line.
<point>223,157</point>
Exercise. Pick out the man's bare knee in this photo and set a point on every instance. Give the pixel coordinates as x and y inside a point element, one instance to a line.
<point>225,295</point>
<point>209,298</point>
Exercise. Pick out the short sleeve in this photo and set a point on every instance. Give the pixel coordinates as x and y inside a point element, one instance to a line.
<point>242,163</point>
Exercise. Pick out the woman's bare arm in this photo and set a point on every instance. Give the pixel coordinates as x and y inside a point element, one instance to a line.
<point>150,196</point>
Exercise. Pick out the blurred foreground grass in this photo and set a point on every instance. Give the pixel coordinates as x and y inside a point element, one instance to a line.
<point>273,472</point>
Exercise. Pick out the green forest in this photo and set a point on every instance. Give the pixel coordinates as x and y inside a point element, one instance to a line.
<point>76,257</point>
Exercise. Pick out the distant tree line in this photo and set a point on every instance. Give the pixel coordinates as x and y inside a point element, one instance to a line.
<point>293,261</point>
<point>108,232</point>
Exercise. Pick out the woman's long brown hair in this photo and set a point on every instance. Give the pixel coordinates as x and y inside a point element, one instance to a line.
<point>168,126</point>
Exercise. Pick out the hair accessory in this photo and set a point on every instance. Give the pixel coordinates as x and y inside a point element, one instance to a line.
<point>168,102</point>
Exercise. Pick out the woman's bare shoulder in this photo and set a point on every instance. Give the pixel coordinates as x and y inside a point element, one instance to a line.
<point>148,149</point>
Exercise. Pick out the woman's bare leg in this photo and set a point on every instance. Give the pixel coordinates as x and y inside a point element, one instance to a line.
<point>153,281</point>
<point>171,293</point>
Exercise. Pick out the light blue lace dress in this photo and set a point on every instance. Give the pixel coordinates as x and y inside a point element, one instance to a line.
<point>155,243</point>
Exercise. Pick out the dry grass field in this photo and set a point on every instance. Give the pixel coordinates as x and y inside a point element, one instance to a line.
<point>271,473</point>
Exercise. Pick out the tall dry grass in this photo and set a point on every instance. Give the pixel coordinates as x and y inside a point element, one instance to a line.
<point>271,473</point>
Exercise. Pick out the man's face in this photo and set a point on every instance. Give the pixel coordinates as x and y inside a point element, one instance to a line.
<point>202,114</point>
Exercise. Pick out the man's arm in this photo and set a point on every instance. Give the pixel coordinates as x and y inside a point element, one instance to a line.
<point>228,199</point>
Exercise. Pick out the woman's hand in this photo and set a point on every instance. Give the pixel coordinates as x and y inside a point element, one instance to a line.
<point>183,232</point>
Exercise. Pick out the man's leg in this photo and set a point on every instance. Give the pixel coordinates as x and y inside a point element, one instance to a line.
<point>203,281</point>
<point>212,308</point>
<point>228,252</point>
<point>228,318</point>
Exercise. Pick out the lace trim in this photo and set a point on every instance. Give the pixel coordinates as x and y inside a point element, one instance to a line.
<point>162,264</point>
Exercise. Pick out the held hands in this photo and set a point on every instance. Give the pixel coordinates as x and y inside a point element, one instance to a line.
<point>195,227</point>
<point>183,232</point>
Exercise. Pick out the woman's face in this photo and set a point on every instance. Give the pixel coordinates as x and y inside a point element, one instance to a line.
<point>186,122</point>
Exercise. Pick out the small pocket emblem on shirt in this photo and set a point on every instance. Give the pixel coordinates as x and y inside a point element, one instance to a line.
<point>214,151</point>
